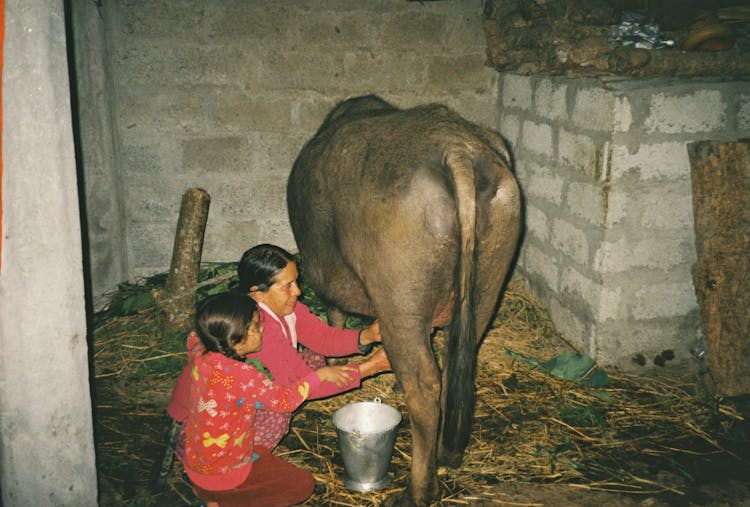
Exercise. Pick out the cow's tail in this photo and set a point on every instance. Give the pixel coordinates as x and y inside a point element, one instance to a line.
<point>460,349</point>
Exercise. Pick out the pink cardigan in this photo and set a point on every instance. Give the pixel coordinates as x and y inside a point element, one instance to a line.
<point>279,356</point>
<point>219,428</point>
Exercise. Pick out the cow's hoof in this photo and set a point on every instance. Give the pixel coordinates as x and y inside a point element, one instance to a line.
<point>400,500</point>
<point>396,500</point>
<point>404,499</point>
<point>450,459</point>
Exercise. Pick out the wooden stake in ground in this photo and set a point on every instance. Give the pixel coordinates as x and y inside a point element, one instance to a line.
<point>721,192</point>
<point>178,302</point>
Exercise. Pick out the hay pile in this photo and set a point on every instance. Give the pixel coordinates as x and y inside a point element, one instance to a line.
<point>639,435</point>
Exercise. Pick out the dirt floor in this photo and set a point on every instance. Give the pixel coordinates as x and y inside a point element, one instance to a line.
<point>541,437</point>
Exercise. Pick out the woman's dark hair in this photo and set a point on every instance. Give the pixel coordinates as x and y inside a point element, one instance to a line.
<point>260,265</point>
<point>222,321</point>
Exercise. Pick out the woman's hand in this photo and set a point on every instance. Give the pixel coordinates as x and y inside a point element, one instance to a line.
<point>370,335</point>
<point>376,363</point>
<point>341,375</point>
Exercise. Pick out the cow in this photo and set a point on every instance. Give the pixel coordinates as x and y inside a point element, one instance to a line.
<point>411,216</point>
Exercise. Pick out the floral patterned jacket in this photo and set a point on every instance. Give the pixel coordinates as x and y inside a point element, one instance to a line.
<point>219,428</point>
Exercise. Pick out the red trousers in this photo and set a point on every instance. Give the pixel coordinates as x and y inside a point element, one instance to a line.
<point>272,482</point>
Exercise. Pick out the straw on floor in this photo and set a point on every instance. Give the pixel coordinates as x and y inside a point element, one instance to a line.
<point>642,435</point>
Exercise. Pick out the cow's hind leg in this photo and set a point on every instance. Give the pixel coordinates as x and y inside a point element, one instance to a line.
<point>413,362</point>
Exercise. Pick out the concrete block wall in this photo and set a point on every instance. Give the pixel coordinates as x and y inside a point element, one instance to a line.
<point>609,241</point>
<point>223,94</point>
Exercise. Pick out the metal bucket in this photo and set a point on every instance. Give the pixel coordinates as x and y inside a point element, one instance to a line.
<point>366,432</point>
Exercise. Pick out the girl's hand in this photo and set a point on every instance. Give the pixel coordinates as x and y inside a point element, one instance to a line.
<point>376,363</point>
<point>341,375</point>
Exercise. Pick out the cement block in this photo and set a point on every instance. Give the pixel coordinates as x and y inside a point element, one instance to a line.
<point>464,27</point>
<point>537,138</point>
<point>537,224</point>
<point>665,300</point>
<point>662,253</point>
<point>610,305</point>
<point>580,286</point>
<point>593,109</point>
<point>145,112</point>
<point>251,23</point>
<point>570,240</point>
<point>256,196</point>
<point>279,232</point>
<point>586,200</point>
<point>308,113</point>
<point>411,29</point>
<point>540,182</point>
<point>578,151</point>
<point>657,161</point>
<point>656,253</point>
<point>623,115</point>
<point>743,114</point>
<point>275,153</point>
<point>540,265</point>
<point>668,207</point>
<point>157,21</point>
<point>142,158</point>
<point>569,323</point>
<point>152,243</point>
<point>292,70</point>
<point>456,73</point>
<point>142,203</point>
<point>241,112</point>
<point>516,91</point>
<point>702,111</point>
<point>475,106</point>
<point>226,241</point>
<point>215,154</point>
<point>637,337</point>
<point>619,206</point>
<point>370,72</point>
<point>510,128</point>
<point>550,100</point>
<point>145,64</point>
<point>336,31</point>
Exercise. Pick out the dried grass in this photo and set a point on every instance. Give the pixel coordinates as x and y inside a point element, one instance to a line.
<point>643,435</point>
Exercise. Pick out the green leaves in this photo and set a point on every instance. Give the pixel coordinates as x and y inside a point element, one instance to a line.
<point>135,302</point>
<point>577,368</point>
<point>568,366</point>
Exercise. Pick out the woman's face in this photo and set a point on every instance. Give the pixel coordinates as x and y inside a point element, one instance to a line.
<point>253,339</point>
<point>281,296</point>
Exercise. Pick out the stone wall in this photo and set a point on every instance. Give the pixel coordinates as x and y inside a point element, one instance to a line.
<point>609,241</point>
<point>223,94</point>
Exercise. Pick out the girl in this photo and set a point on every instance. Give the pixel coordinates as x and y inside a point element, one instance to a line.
<point>226,469</point>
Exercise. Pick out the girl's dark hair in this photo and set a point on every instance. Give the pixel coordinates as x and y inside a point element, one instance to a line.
<point>222,321</point>
<point>260,265</point>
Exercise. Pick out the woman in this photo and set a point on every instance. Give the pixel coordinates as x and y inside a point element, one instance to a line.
<point>268,274</point>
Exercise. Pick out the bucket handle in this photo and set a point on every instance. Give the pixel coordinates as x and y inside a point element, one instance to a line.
<point>376,399</point>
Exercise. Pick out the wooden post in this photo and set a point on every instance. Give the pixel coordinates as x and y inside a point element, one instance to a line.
<point>721,192</point>
<point>178,302</point>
